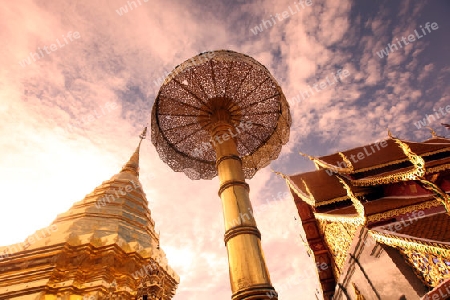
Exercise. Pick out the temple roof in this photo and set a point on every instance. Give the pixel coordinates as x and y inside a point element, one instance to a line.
<point>384,185</point>
<point>438,140</point>
<point>433,227</point>
<point>395,161</point>
<point>314,192</point>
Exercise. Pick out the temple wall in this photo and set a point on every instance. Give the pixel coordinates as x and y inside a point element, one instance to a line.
<point>376,271</point>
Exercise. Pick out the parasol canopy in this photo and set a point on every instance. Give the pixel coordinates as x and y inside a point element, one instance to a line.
<point>219,80</point>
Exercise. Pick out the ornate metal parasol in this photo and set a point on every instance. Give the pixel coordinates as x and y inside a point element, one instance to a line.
<point>182,113</point>
<point>223,113</point>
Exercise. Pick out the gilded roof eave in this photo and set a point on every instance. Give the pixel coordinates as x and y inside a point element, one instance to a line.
<point>411,243</point>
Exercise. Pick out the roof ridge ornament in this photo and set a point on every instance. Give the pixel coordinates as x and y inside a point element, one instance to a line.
<point>297,190</point>
<point>279,174</point>
<point>433,133</point>
<point>390,134</point>
<point>417,161</point>
<point>347,162</point>
<point>318,162</point>
<point>356,202</point>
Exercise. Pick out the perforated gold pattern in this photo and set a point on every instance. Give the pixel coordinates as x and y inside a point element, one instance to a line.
<point>196,90</point>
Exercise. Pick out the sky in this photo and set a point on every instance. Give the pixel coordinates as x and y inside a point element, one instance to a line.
<point>78,80</point>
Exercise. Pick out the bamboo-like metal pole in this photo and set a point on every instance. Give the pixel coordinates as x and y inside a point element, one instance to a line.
<point>249,277</point>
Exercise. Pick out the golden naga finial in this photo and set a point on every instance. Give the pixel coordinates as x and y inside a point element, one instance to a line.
<point>313,159</point>
<point>433,133</point>
<point>359,207</point>
<point>278,173</point>
<point>319,163</point>
<point>306,155</point>
<point>347,161</point>
<point>390,134</point>
<point>417,161</point>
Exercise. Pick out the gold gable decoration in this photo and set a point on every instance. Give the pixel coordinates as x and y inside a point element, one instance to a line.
<point>430,260</point>
<point>338,236</point>
<point>433,269</point>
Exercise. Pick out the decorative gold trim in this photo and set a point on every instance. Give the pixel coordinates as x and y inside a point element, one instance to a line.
<point>431,269</point>
<point>438,169</point>
<point>338,236</point>
<point>394,162</point>
<point>296,190</point>
<point>400,211</point>
<point>316,165</point>
<point>410,243</point>
<point>355,220</point>
<point>311,196</point>
<point>231,183</point>
<point>445,149</point>
<point>334,200</point>
<point>307,198</point>
<point>416,160</point>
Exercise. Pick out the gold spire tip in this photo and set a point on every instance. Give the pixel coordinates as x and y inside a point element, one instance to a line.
<point>143,135</point>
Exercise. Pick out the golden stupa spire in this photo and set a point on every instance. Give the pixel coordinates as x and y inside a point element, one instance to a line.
<point>132,165</point>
